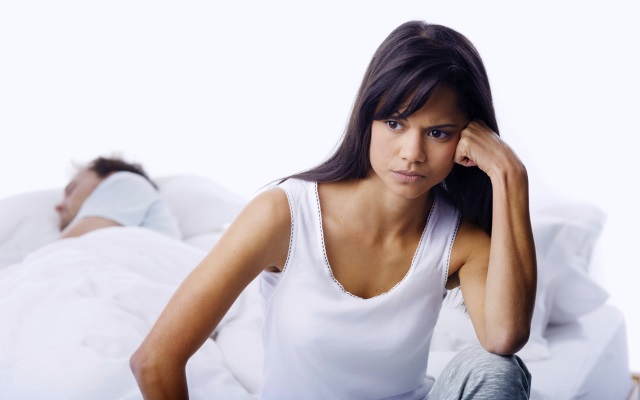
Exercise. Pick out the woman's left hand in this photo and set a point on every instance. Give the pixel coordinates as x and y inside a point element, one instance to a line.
<point>480,146</point>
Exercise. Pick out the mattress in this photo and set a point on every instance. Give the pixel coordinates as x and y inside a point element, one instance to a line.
<point>589,360</point>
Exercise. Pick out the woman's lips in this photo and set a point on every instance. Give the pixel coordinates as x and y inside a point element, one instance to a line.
<point>408,176</point>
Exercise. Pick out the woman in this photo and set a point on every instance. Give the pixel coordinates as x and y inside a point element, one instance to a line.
<point>356,254</point>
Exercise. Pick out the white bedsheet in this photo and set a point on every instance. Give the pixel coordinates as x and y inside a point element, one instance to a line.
<point>72,313</point>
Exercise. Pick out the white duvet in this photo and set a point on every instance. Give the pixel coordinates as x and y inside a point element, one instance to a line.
<point>72,313</point>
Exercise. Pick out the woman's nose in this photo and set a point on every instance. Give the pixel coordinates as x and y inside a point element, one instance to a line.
<point>413,147</point>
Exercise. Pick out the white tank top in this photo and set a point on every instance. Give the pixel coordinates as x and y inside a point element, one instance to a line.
<point>321,342</point>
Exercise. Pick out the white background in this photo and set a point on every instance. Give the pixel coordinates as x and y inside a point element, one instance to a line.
<point>246,92</point>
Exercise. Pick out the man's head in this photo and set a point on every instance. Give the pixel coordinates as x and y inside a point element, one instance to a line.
<point>85,181</point>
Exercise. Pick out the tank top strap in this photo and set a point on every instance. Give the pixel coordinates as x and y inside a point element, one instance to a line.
<point>440,233</point>
<point>305,214</point>
<point>305,232</point>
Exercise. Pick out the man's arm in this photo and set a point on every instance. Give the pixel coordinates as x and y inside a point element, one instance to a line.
<point>85,225</point>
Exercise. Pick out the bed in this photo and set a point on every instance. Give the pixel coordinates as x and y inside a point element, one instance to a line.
<point>72,311</point>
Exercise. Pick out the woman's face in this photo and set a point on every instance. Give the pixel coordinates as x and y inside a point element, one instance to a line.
<point>412,155</point>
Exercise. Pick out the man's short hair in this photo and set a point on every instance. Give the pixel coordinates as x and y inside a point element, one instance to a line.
<point>104,166</point>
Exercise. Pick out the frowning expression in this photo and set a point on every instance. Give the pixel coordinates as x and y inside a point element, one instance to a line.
<point>413,154</point>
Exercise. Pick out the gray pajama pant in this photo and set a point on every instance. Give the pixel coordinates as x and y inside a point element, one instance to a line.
<point>476,374</point>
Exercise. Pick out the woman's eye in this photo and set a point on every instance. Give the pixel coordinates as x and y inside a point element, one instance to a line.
<point>438,134</point>
<point>394,125</point>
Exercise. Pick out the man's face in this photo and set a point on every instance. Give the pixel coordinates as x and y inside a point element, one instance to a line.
<point>76,192</point>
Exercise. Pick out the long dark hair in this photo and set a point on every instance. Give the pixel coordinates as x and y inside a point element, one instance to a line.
<point>414,59</point>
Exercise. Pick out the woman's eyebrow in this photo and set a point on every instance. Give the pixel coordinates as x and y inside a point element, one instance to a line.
<point>443,126</point>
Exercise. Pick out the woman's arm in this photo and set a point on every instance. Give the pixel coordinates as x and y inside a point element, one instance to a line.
<point>498,276</point>
<point>257,239</point>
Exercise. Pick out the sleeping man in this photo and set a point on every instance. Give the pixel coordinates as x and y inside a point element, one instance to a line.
<point>111,192</point>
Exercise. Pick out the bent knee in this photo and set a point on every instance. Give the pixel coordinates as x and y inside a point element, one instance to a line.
<point>475,373</point>
<point>480,361</point>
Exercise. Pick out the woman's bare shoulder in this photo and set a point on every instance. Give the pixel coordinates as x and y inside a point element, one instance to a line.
<point>271,203</point>
<point>262,230</point>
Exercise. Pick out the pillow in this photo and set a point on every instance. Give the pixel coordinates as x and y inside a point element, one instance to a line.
<point>564,235</point>
<point>567,232</point>
<point>29,221</point>
<point>200,205</point>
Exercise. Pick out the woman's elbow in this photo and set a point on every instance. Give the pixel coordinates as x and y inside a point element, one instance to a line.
<point>159,377</point>
<point>507,342</point>
<point>140,365</point>
<point>146,368</point>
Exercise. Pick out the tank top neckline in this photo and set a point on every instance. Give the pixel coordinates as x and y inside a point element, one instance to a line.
<point>400,283</point>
